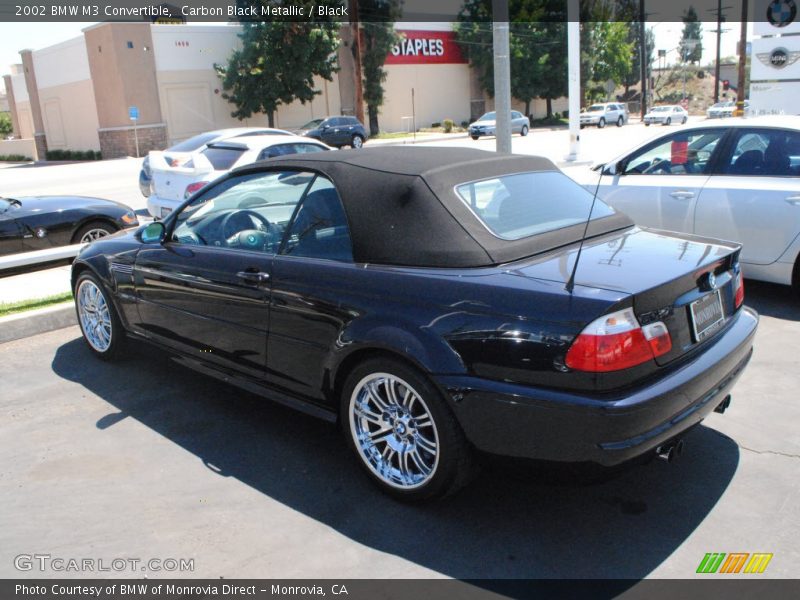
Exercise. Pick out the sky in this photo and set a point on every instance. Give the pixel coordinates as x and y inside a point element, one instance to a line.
<point>18,36</point>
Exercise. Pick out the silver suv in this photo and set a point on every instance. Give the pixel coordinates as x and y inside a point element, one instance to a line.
<point>603,114</point>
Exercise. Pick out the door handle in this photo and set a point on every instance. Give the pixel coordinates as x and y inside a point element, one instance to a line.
<point>793,200</point>
<point>682,195</point>
<point>253,276</point>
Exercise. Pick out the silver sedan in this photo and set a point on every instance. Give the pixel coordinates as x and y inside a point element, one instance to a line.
<point>487,124</point>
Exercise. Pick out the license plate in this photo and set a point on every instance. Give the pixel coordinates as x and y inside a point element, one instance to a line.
<point>707,315</point>
<point>165,212</point>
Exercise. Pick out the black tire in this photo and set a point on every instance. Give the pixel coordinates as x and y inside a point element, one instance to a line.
<point>524,131</point>
<point>93,226</point>
<point>357,141</point>
<point>796,278</point>
<point>620,121</point>
<point>116,344</point>
<point>668,122</point>
<point>474,137</point>
<point>646,124</point>
<point>582,125</point>
<point>601,123</point>
<point>453,464</point>
<point>683,122</point>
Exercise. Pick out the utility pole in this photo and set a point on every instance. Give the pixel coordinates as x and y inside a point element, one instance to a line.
<point>643,55</point>
<point>742,62</point>
<point>502,76</point>
<point>718,31</point>
<point>358,81</point>
<point>574,78</point>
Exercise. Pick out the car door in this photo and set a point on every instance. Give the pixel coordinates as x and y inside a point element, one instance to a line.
<point>330,132</point>
<point>10,230</point>
<point>311,278</point>
<point>661,182</point>
<point>205,290</point>
<point>754,196</point>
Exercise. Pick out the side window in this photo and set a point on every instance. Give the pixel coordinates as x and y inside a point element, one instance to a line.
<point>250,212</point>
<point>765,152</point>
<point>684,153</point>
<point>319,229</point>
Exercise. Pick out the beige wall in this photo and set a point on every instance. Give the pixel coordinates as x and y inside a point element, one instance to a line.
<point>25,119</point>
<point>26,148</point>
<point>70,117</point>
<point>440,92</point>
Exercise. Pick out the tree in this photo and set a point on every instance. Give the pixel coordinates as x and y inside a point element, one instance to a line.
<point>691,44</point>
<point>634,76</point>
<point>6,128</point>
<point>378,37</point>
<point>277,64</point>
<point>537,44</point>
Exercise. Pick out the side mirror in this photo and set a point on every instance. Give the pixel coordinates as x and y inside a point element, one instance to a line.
<point>153,233</point>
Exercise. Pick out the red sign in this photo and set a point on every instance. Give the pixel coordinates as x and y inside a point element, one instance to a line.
<point>426,48</point>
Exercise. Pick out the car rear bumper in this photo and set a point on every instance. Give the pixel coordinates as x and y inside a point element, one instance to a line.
<point>526,422</point>
<point>160,207</point>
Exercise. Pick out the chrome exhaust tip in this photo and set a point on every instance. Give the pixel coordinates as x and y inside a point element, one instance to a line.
<point>723,406</point>
<point>671,451</point>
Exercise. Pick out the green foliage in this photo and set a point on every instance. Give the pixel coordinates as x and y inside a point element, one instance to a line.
<point>448,125</point>
<point>691,44</point>
<point>74,155</point>
<point>277,63</point>
<point>537,44</point>
<point>378,37</point>
<point>14,158</point>
<point>6,128</point>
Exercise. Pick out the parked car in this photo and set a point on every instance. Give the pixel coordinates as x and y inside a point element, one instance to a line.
<point>725,109</point>
<point>181,152</point>
<point>423,298</point>
<point>487,123</point>
<point>602,114</point>
<point>666,115</point>
<point>336,131</point>
<point>737,179</point>
<point>173,184</point>
<point>30,223</point>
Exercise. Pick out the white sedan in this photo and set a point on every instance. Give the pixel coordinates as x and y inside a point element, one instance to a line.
<point>173,184</point>
<point>733,179</point>
<point>666,115</point>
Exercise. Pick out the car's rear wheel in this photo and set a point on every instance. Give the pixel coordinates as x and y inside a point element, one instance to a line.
<point>405,436</point>
<point>668,121</point>
<point>93,231</point>
<point>357,141</point>
<point>620,121</point>
<point>601,123</point>
<point>524,131</point>
<point>474,137</point>
<point>97,317</point>
<point>796,278</point>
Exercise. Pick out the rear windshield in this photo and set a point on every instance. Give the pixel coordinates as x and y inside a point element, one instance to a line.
<point>193,143</point>
<point>513,207</point>
<point>222,158</point>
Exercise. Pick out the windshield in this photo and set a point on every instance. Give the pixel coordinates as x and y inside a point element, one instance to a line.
<point>513,207</point>
<point>596,107</point>
<point>490,116</point>
<point>312,124</point>
<point>193,143</point>
<point>662,109</point>
<point>7,203</point>
<point>722,105</point>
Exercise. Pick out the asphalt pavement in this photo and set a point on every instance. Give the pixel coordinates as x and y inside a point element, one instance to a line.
<point>145,459</point>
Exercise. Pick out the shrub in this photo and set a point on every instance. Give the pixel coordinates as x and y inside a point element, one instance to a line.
<point>73,155</point>
<point>15,158</point>
<point>448,125</point>
<point>435,125</point>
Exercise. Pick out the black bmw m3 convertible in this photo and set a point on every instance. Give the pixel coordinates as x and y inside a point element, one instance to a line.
<point>428,300</point>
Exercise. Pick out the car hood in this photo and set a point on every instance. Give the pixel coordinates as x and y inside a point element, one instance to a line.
<point>483,123</point>
<point>629,261</point>
<point>44,204</point>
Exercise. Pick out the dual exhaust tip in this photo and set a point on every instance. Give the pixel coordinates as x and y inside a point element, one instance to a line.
<point>672,450</point>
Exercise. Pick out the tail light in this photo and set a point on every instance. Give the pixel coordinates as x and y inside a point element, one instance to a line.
<point>617,341</point>
<point>738,299</point>
<point>193,187</point>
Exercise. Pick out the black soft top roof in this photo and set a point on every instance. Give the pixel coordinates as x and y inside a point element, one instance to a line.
<point>402,207</point>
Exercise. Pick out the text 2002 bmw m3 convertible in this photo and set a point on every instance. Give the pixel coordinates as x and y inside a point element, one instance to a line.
<point>421,298</point>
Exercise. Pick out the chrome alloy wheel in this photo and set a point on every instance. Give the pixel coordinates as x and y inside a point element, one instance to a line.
<point>94,315</point>
<point>93,234</point>
<point>393,430</point>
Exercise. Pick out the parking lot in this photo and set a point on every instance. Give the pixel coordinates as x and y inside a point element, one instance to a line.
<point>145,459</point>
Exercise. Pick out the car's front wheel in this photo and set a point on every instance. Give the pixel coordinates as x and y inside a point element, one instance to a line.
<point>524,131</point>
<point>620,121</point>
<point>97,317</point>
<point>403,433</point>
<point>474,137</point>
<point>668,121</point>
<point>93,231</point>
<point>683,122</point>
<point>601,123</point>
<point>357,141</point>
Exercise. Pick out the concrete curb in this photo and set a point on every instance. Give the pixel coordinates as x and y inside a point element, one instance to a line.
<point>34,322</point>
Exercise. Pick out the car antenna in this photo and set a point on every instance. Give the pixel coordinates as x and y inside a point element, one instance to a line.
<point>571,282</point>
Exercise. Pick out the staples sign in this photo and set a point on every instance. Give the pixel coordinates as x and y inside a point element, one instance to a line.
<point>426,47</point>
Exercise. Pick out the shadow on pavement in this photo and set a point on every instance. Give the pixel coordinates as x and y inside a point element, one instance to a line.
<point>501,526</point>
<point>772,299</point>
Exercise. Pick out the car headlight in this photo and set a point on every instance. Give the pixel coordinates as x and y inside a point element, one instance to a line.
<point>129,218</point>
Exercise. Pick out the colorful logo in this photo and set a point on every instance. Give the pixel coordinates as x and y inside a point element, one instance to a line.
<point>781,13</point>
<point>735,562</point>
